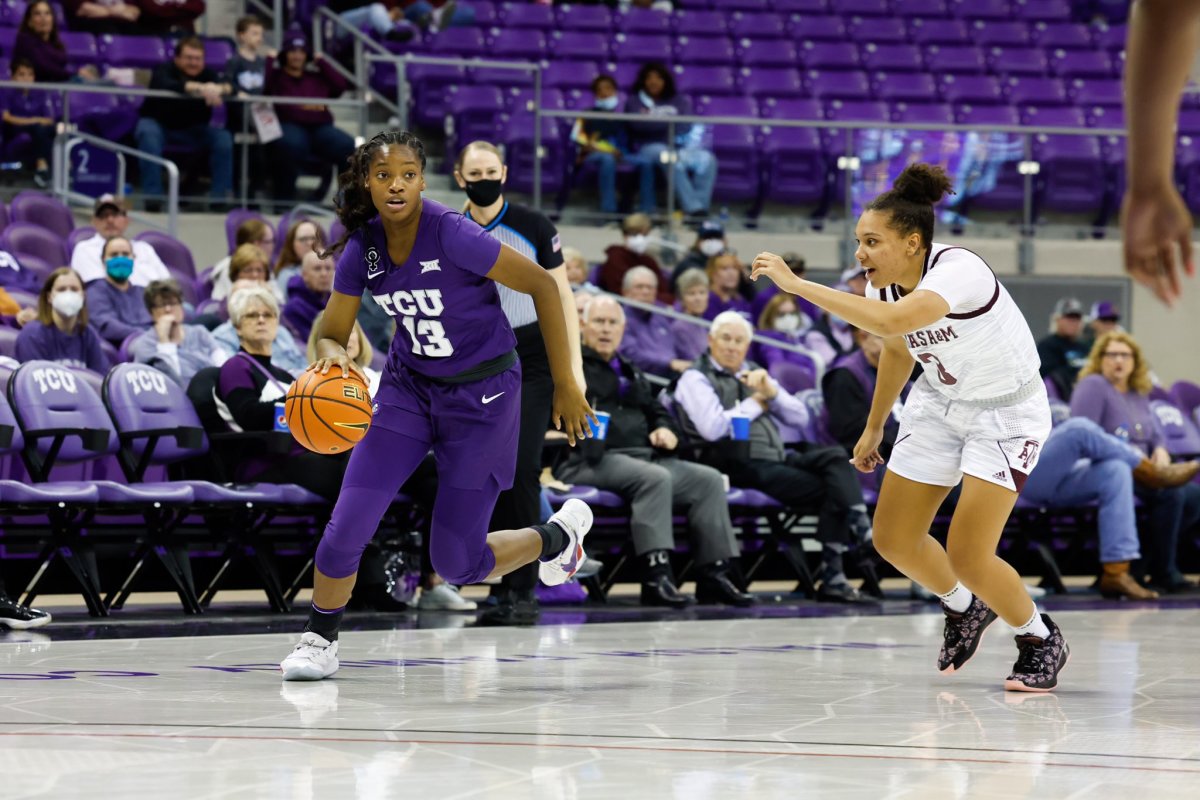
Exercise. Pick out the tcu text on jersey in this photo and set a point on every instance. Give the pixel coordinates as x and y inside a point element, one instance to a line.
<point>415,309</point>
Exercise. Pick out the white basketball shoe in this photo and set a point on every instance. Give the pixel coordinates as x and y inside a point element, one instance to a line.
<point>575,517</point>
<point>313,659</point>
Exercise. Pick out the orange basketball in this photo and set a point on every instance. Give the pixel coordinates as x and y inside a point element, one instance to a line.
<point>328,414</point>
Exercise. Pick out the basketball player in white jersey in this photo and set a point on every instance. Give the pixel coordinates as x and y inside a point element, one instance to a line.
<point>978,414</point>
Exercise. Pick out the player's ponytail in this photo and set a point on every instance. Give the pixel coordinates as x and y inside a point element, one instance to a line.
<point>353,199</point>
<point>911,199</point>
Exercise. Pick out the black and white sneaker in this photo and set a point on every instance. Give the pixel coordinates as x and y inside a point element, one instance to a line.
<point>1039,661</point>
<point>962,635</point>
<point>21,618</point>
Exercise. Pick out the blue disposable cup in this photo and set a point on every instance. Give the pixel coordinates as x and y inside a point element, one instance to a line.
<point>280,417</point>
<point>739,428</point>
<point>600,432</point>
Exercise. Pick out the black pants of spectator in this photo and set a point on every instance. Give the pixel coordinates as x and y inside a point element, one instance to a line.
<point>301,144</point>
<point>42,136</point>
<point>520,506</point>
<point>820,478</point>
<point>320,474</point>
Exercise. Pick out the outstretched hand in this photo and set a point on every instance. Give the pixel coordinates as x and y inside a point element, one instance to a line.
<point>1153,224</point>
<point>772,266</point>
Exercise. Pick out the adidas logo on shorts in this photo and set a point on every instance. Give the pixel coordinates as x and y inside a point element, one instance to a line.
<point>1001,475</point>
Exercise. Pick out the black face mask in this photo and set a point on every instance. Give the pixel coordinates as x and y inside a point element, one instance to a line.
<point>483,193</point>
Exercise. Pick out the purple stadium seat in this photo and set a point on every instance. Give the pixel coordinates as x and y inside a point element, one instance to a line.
<point>500,77</point>
<point>8,343</point>
<point>527,15</point>
<point>938,31</point>
<point>816,28</point>
<point>775,82</point>
<point>805,109</point>
<point>37,269</point>
<point>844,85</point>
<point>1182,437</point>
<point>702,23</point>
<point>523,100</point>
<point>464,42</point>
<point>1036,92</point>
<point>902,87</point>
<point>1111,117</point>
<point>103,115</point>
<point>987,33</point>
<point>569,75</point>
<point>981,9</point>
<point>142,52</point>
<point>8,38</point>
<point>591,45</point>
<point>739,175</point>
<point>756,26</point>
<point>517,45</point>
<point>725,106</point>
<point>1006,61</point>
<point>44,210</point>
<point>642,47</point>
<point>765,52</point>
<point>1069,64</point>
<point>487,14</point>
<point>30,239</point>
<point>1065,35</point>
<point>81,47</point>
<point>217,53</point>
<point>1009,192</point>
<point>575,17</point>
<point>705,80</point>
<point>1042,9</point>
<point>1186,395</point>
<point>955,60</point>
<point>1103,93</point>
<point>431,88</point>
<point>701,50</point>
<point>864,8</point>
<point>1072,177</point>
<point>880,30</point>
<point>473,112</point>
<point>801,6</point>
<point>829,55</point>
<point>970,89</point>
<point>234,220</point>
<point>624,71</point>
<point>794,163</point>
<point>174,253</point>
<point>1111,37</point>
<point>892,58</point>
<point>987,115</point>
<point>920,8</point>
<point>644,20</point>
<point>78,235</point>
<point>923,112</point>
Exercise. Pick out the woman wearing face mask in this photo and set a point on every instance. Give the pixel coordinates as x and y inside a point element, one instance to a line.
<point>481,173</point>
<point>710,242</point>
<point>782,320</point>
<point>116,304</point>
<point>61,331</point>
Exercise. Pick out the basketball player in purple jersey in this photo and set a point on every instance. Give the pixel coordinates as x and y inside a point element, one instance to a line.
<point>452,383</point>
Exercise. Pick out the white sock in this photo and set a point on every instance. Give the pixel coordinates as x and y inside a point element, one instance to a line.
<point>957,599</point>
<point>1036,626</point>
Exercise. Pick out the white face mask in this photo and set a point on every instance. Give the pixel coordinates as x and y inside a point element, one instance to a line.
<point>787,323</point>
<point>67,303</point>
<point>712,247</point>
<point>638,242</point>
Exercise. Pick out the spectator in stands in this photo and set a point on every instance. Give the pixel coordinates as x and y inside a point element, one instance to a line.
<point>848,386</point>
<point>723,385</point>
<point>61,331</point>
<point>170,17</point>
<point>691,338</point>
<point>1103,318</point>
<point>1062,353</point>
<point>302,238</point>
<point>308,130</point>
<point>654,95</point>
<point>765,289</point>
<point>103,16</point>
<point>246,70</point>
<point>110,219</point>
<point>1113,391</point>
<point>648,340</point>
<point>33,112</point>
<point>577,271</point>
<point>726,276</point>
<point>171,346</point>
<point>256,232</point>
<point>620,258</point>
<point>38,42</point>
<point>582,300</point>
<point>637,461</point>
<point>1081,464</point>
<point>285,353</point>
<point>307,295</point>
<point>435,15</point>
<point>185,122</point>
<point>116,303</point>
<point>710,243</point>
<point>605,143</point>
<point>782,320</point>
<point>358,350</point>
<point>384,21</point>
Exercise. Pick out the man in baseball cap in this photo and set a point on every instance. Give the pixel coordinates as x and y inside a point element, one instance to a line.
<point>110,219</point>
<point>1062,352</point>
<point>1104,318</point>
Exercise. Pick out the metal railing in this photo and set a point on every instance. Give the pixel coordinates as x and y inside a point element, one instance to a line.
<point>275,11</point>
<point>360,77</point>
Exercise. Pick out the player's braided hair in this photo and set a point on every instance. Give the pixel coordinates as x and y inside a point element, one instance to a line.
<point>911,200</point>
<point>353,200</point>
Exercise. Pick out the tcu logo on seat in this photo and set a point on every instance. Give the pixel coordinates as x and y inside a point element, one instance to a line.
<point>53,379</point>
<point>1169,416</point>
<point>146,380</point>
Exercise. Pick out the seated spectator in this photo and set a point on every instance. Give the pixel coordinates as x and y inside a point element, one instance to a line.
<point>31,111</point>
<point>782,320</point>
<point>246,70</point>
<point>722,385</point>
<point>648,340</point>
<point>605,143</point>
<point>691,338</point>
<point>61,331</point>
<point>256,233</point>
<point>285,353</point>
<point>185,122</point>
<point>110,219</point>
<point>1101,319</point>
<point>637,462</point>
<point>725,278</point>
<point>308,130</point>
<point>1113,391</point>
<point>577,271</point>
<point>103,16</point>
<point>302,238</point>
<point>1080,464</point>
<point>117,307</point>
<point>38,42</point>
<point>167,17</point>
<point>620,258</point>
<point>358,348</point>
<point>848,387</point>
<point>436,15</point>
<point>710,242</point>
<point>1063,353</point>
<point>308,293</point>
<point>582,300</point>
<point>170,346</point>
<point>386,23</point>
<point>695,174</point>
<point>765,289</point>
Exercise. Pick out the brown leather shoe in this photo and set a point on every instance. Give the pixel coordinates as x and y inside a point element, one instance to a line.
<point>1153,476</point>
<point>1117,582</point>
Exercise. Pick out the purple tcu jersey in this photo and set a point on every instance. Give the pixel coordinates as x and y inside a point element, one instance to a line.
<point>448,315</point>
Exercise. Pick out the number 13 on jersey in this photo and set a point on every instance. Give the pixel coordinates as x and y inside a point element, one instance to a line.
<point>428,337</point>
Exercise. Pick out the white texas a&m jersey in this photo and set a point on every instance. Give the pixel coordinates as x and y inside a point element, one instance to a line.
<point>983,349</point>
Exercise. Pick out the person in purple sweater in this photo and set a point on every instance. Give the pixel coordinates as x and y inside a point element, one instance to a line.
<point>725,275</point>
<point>308,131</point>
<point>690,338</point>
<point>61,331</point>
<point>31,111</point>
<point>307,294</point>
<point>117,304</point>
<point>1113,391</point>
<point>39,42</point>
<point>649,341</point>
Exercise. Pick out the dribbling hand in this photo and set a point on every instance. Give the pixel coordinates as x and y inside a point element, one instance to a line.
<point>866,452</point>
<point>1153,224</point>
<point>572,412</point>
<point>342,361</point>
